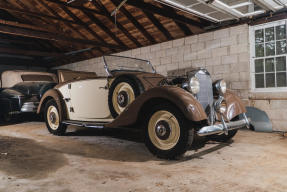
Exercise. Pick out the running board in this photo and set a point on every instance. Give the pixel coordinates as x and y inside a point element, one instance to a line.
<point>96,125</point>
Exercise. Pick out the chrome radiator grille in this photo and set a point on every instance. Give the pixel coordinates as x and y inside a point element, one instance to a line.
<point>205,95</point>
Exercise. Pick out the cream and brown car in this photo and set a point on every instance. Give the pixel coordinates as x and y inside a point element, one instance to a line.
<point>169,111</point>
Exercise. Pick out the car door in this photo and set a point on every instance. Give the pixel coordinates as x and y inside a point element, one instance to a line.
<point>89,100</point>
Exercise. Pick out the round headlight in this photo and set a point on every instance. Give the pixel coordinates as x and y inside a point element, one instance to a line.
<point>193,86</point>
<point>221,87</point>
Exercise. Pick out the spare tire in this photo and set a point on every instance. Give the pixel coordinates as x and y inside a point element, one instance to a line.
<point>123,92</point>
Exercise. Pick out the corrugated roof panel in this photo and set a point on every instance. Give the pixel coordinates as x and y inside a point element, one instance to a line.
<point>221,10</point>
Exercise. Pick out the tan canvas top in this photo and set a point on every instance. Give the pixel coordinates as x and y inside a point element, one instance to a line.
<point>11,78</point>
<point>67,75</point>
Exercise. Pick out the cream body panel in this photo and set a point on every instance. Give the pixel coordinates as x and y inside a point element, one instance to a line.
<point>89,99</point>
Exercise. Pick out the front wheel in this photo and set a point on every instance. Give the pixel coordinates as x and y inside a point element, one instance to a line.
<point>168,132</point>
<point>53,120</point>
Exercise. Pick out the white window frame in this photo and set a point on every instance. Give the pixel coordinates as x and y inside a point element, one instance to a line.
<point>252,30</point>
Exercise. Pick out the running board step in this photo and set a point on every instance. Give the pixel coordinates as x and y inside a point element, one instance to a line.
<point>97,125</point>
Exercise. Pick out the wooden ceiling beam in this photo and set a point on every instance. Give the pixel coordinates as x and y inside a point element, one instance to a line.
<point>35,14</point>
<point>182,26</point>
<point>100,5</point>
<point>68,25</point>
<point>135,22</point>
<point>86,26</point>
<point>11,30</point>
<point>24,52</point>
<point>158,25</point>
<point>159,11</point>
<point>105,28</point>
<point>82,8</point>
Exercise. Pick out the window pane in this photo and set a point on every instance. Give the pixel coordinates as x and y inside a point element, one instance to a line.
<point>281,79</point>
<point>259,49</point>
<point>259,65</point>
<point>259,80</point>
<point>281,47</point>
<point>269,34</point>
<point>270,80</point>
<point>281,32</point>
<point>270,49</point>
<point>280,63</point>
<point>269,65</point>
<point>259,36</point>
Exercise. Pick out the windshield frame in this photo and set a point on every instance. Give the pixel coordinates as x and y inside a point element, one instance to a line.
<point>110,73</point>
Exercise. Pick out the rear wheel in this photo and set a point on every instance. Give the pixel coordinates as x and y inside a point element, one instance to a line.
<point>53,120</point>
<point>167,132</point>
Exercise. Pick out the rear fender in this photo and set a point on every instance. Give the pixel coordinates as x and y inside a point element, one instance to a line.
<point>184,100</point>
<point>58,98</point>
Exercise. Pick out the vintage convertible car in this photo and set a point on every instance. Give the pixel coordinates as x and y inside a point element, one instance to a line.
<point>22,90</point>
<point>169,111</point>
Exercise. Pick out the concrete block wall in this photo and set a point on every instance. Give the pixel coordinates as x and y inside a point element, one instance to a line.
<point>224,53</point>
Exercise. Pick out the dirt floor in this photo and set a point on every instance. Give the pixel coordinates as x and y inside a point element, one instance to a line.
<point>32,160</point>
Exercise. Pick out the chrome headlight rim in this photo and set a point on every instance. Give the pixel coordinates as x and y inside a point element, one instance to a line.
<point>193,85</point>
<point>221,87</point>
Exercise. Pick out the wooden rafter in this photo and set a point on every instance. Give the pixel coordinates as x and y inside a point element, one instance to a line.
<point>157,10</point>
<point>158,25</point>
<point>5,29</point>
<point>135,22</point>
<point>100,5</point>
<point>86,26</point>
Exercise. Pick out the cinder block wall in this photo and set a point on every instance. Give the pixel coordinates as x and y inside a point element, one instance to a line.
<point>224,53</point>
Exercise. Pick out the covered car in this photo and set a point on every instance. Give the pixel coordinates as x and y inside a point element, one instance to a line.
<point>22,90</point>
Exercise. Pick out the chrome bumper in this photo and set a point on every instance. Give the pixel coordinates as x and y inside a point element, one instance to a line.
<point>224,127</point>
<point>29,107</point>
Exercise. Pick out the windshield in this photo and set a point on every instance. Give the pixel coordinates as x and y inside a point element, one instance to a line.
<point>120,63</point>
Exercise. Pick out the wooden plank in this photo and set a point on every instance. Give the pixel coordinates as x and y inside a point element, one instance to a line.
<point>135,22</point>
<point>28,52</point>
<point>52,37</point>
<point>35,14</point>
<point>100,5</point>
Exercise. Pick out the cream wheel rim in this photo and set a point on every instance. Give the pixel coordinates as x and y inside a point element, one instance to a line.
<point>163,130</point>
<point>53,117</point>
<point>123,95</point>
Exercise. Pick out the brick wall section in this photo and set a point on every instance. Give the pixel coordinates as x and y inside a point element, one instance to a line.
<point>224,53</point>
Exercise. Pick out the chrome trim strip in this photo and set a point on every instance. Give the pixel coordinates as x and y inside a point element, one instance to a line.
<point>84,124</point>
<point>29,107</point>
<point>219,128</point>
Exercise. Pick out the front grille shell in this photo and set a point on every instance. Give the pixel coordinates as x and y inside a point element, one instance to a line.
<point>205,95</point>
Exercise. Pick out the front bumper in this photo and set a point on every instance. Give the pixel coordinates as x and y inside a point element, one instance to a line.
<point>29,107</point>
<point>224,127</point>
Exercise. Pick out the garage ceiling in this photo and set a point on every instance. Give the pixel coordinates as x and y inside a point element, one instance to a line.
<point>53,32</point>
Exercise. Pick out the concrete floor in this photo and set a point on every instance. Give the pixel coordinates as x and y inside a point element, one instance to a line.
<point>32,160</point>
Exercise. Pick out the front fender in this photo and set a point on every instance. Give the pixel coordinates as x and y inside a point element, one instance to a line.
<point>184,100</point>
<point>57,97</point>
<point>234,104</point>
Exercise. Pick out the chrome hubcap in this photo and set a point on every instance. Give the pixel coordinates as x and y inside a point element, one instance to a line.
<point>162,130</point>
<point>123,99</point>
